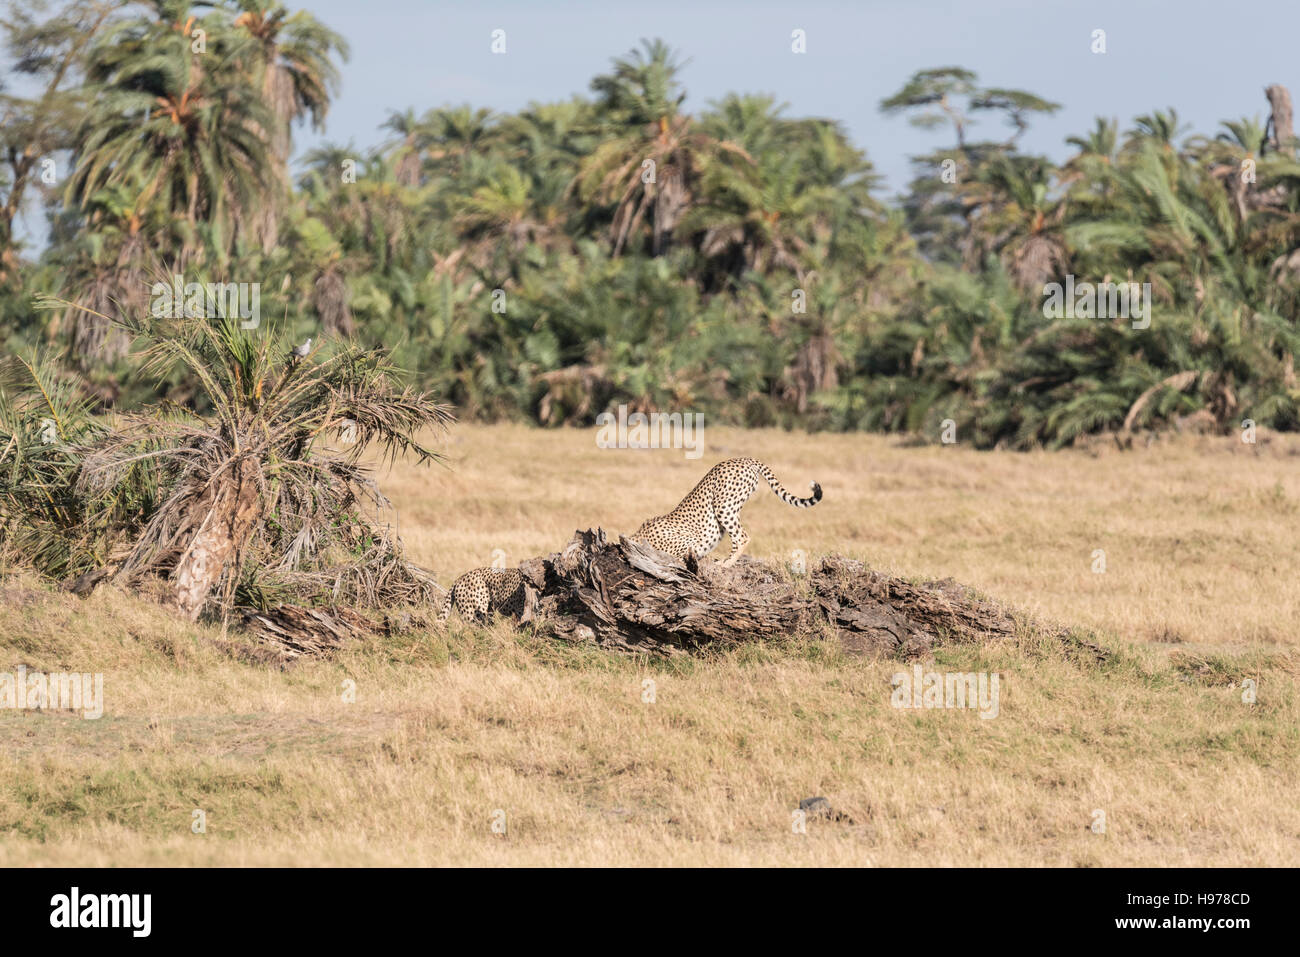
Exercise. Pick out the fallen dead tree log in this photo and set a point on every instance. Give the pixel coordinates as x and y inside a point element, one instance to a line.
<point>633,597</point>
<point>629,596</point>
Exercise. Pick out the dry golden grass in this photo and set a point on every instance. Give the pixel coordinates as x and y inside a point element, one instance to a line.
<point>446,729</point>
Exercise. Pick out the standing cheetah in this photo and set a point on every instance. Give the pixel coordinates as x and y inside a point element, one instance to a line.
<point>481,591</point>
<point>696,525</point>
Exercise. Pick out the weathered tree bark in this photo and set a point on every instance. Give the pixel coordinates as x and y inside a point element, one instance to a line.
<point>230,507</point>
<point>627,596</point>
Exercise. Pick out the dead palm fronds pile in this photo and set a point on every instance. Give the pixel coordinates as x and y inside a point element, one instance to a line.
<point>260,496</point>
<point>290,633</point>
<point>372,573</point>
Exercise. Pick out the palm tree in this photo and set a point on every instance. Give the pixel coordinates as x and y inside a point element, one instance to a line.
<point>184,131</point>
<point>1012,212</point>
<point>1086,176</point>
<point>1102,141</point>
<point>407,147</point>
<point>328,162</point>
<point>643,86</point>
<point>760,219</point>
<point>654,156</point>
<point>753,122</point>
<point>1225,318</point>
<point>107,269</point>
<point>502,209</point>
<point>295,57</point>
<point>1159,128</point>
<point>50,52</point>
<point>45,418</point>
<point>1234,156</point>
<point>547,142</point>
<point>456,134</point>
<point>251,486</point>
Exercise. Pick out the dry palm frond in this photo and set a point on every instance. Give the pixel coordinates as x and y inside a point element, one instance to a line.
<point>572,393</point>
<point>378,577</point>
<point>290,633</point>
<point>1037,260</point>
<point>1178,382</point>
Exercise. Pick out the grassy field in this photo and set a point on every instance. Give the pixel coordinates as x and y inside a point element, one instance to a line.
<point>451,732</point>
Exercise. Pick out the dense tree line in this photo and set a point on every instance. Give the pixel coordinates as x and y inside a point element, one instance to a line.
<point>613,248</point>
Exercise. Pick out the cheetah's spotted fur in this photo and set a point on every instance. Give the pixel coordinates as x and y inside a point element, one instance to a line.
<point>696,526</point>
<point>481,591</point>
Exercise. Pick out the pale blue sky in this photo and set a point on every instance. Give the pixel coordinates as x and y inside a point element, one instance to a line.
<point>1208,60</point>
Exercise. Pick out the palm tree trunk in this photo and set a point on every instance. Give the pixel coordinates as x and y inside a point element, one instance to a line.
<point>233,507</point>
<point>1280,122</point>
<point>278,89</point>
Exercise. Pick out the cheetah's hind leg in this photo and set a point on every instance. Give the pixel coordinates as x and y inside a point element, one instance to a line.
<point>739,539</point>
<point>480,611</point>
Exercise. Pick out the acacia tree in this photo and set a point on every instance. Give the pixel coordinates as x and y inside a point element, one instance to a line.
<point>948,183</point>
<point>943,95</point>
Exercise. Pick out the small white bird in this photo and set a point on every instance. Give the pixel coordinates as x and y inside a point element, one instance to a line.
<point>300,352</point>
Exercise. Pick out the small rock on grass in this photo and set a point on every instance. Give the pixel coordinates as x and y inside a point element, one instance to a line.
<point>820,807</point>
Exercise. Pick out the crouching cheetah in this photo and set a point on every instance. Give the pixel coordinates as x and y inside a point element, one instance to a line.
<point>696,525</point>
<point>481,591</point>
